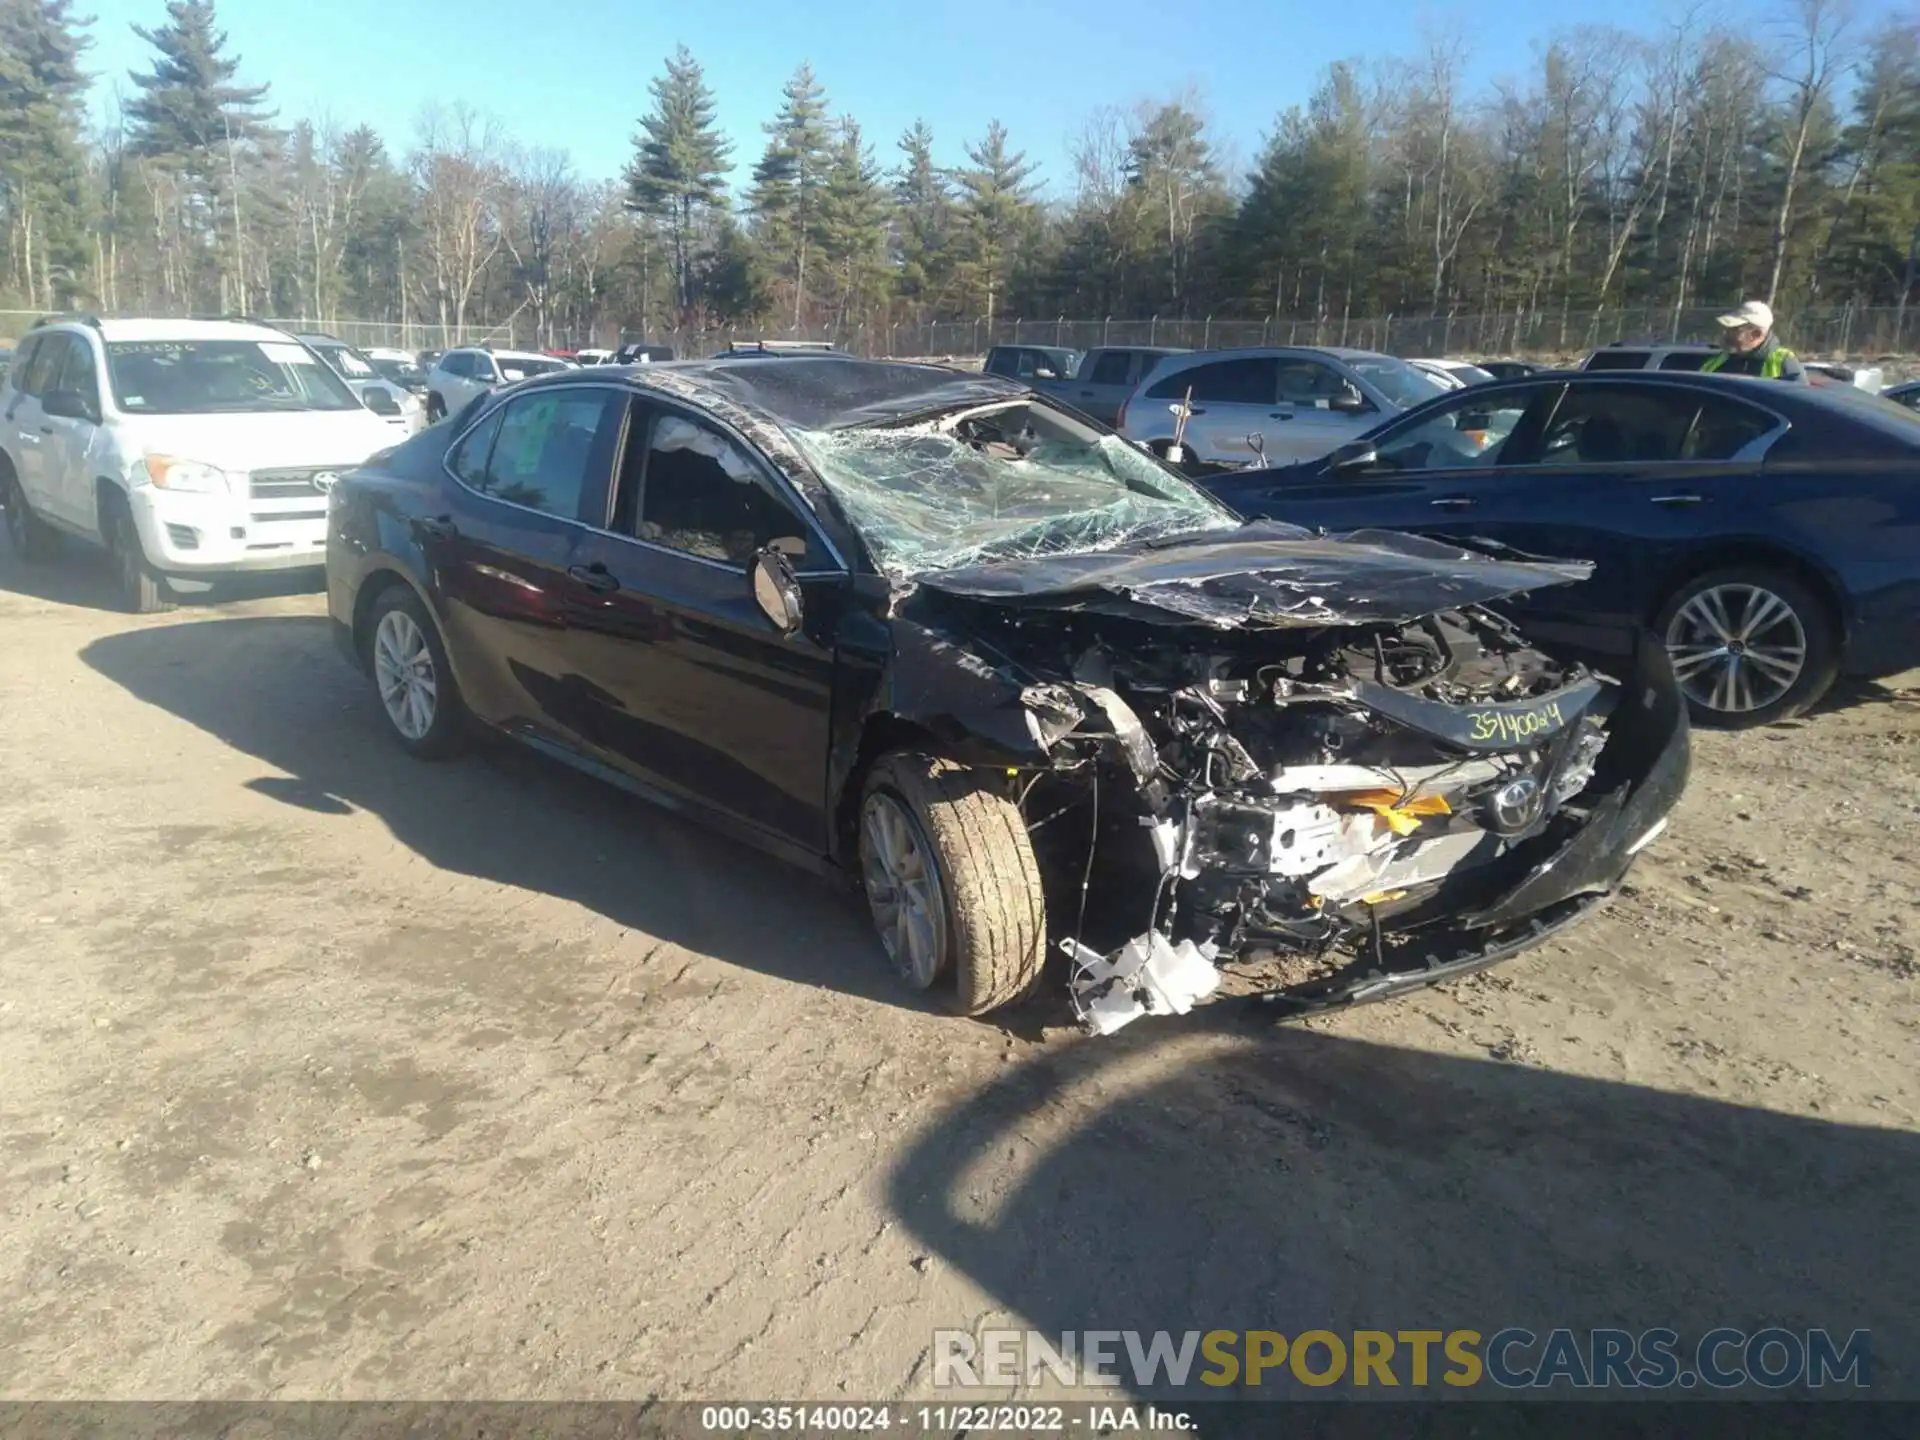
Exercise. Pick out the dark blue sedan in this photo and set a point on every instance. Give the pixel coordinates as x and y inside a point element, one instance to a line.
<point>1769,533</point>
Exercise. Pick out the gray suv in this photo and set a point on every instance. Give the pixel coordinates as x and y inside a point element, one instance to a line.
<point>1108,374</point>
<point>1280,403</point>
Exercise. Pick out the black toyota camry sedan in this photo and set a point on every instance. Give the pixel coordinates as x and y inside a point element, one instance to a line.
<point>1035,691</point>
<point>1769,533</point>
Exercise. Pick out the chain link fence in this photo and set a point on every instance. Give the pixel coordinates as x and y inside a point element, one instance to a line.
<point>1842,332</point>
<point>1845,331</point>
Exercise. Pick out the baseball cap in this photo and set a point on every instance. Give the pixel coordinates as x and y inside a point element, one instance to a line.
<point>1756,313</point>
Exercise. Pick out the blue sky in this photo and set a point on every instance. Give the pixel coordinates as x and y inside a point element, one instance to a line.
<point>574,74</point>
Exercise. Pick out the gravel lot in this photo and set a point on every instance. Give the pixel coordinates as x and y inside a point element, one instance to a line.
<point>327,1074</point>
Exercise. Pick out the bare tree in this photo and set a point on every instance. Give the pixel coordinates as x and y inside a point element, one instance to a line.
<point>1817,57</point>
<point>542,205</point>
<point>458,173</point>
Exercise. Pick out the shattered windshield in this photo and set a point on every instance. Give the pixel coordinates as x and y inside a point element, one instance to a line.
<point>997,482</point>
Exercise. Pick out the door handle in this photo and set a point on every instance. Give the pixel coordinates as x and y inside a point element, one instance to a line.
<point>1453,502</point>
<point>1681,499</point>
<point>1279,414</point>
<point>46,429</point>
<point>437,527</point>
<point>1198,410</point>
<point>595,577</point>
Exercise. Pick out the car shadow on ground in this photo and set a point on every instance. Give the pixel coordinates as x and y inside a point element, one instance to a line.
<point>82,575</point>
<point>1291,1179</point>
<point>276,688</point>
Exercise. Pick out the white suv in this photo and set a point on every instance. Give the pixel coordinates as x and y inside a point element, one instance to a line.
<point>189,448</point>
<point>459,375</point>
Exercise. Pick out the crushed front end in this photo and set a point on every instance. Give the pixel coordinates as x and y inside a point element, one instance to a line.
<point>1319,811</point>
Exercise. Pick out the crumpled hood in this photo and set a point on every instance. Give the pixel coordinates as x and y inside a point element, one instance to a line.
<point>1265,574</point>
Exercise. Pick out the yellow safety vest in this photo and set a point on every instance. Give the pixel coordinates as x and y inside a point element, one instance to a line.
<point>1771,368</point>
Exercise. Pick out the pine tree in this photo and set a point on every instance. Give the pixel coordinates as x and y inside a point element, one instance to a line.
<point>1171,174</point>
<point>925,209</point>
<point>42,191</point>
<point>189,110</point>
<point>733,280</point>
<point>679,166</point>
<point>787,183</point>
<point>191,117</point>
<point>854,210</point>
<point>996,211</point>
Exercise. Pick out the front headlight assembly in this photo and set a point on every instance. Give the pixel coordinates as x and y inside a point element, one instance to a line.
<point>170,472</point>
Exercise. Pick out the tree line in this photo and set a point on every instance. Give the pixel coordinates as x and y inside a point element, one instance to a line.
<point>1776,154</point>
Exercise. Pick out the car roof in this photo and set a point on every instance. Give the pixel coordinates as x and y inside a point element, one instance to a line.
<point>112,330</point>
<point>1285,352</point>
<point>809,392</point>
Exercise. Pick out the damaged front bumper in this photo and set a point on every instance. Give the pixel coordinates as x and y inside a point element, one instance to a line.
<point>1490,912</point>
<point>1641,775</point>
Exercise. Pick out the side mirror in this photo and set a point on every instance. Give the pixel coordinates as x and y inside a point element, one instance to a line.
<point>1349,401</point>
<point>1045,375</point>
<point>776,591</point>
<point>380,400</point>
<point>1353,457</point>
<point>70,405</point>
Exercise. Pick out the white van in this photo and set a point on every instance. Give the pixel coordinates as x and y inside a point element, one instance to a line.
<point>189,448</point>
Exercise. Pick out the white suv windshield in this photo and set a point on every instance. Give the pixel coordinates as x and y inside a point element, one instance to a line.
<point>206,377</point>
<point>345,360</point>
<point>516,369</point>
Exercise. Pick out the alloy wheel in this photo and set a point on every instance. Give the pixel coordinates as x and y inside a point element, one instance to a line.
<point>1736,647</point>
<point>404,672</point>
<point>902,889</point>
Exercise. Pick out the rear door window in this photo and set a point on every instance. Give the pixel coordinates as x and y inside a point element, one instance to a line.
<point>1252,381</point>
<point>1628,425</point>
<point>33,372</point>
<point>1112,368</point>
<point>1684,359</point>
<point>554,446</point>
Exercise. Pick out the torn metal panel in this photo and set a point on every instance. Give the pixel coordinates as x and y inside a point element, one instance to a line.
<point>1267,574</point>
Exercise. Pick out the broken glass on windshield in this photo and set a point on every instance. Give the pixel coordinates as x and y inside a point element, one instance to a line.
<point>997,482</point>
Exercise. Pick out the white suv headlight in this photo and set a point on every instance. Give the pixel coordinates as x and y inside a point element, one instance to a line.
<point>170,472</point>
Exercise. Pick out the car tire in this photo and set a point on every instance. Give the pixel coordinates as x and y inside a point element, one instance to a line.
<point>30,537</point>
<point>143,589</point>
<point>412,680</point>
<point>951,882</point>
<point>1782,635</point>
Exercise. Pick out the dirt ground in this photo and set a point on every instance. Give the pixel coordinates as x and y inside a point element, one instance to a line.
<point>327,1074</point>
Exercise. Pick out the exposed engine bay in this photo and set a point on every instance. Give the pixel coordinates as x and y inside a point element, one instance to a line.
<point>1290,800</point>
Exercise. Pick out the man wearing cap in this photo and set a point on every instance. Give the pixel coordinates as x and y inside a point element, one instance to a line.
<point>1749,347</point>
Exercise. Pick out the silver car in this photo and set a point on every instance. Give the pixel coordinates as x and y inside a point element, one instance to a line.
<point>1282,403</point>
<point>392,403</point>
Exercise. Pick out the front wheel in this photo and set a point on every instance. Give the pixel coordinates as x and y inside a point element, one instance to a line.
<point>952,882</point>
<point>142,588</point>
<point>1749,645</point>
<point>410,673</point>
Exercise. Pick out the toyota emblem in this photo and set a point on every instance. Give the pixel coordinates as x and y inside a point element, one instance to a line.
<point>325,481</point>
